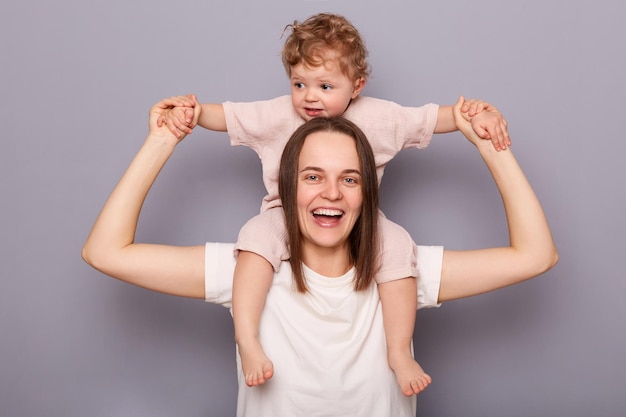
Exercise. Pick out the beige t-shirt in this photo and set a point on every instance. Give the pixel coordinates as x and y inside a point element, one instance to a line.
<point>266,126</point>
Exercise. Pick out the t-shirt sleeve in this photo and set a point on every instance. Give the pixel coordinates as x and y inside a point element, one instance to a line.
<point>429,263</point>
<point>219,267</point>
<point>255,123</point>
<point>391,127</point>
<point>413,126</point>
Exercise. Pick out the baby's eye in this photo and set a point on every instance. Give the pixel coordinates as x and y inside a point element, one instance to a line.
<point>298,85</point>
<point>327,87</point>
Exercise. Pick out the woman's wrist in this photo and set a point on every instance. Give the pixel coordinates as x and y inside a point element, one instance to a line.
<point>161,142</point>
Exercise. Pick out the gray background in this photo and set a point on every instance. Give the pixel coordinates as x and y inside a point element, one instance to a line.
<point>77,80</point>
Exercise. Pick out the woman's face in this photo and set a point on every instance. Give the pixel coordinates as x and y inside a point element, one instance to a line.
<point>329,194</point>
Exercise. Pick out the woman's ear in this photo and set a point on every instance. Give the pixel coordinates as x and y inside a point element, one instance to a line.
<point>359,84</point>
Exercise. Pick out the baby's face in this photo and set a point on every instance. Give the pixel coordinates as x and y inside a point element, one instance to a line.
<point>322,91</point>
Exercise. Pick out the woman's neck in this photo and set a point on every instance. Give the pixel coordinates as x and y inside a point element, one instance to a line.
<point>329,262</point>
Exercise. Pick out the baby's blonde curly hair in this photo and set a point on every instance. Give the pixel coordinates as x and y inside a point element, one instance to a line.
<point>326,37</point>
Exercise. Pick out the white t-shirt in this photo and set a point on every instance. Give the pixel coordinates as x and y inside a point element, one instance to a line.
<point>328,345</point>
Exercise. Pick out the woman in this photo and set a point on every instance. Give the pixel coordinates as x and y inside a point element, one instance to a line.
<point>329,341</point>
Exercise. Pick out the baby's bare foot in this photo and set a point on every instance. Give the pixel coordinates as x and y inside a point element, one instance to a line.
<point>410,376</point>
<point>256,366</point>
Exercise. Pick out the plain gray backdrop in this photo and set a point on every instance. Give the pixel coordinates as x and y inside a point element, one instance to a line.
<point>77,80</point>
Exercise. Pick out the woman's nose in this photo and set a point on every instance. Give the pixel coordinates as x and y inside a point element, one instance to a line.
<point>332,191</point>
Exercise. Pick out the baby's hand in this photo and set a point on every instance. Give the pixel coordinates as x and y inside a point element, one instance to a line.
<point>471,107</point>
<point>487,122</point>
<point>180,119</point>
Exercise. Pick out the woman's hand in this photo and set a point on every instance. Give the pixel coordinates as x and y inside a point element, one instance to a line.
<point>463,124</point>
<point>177,115</point>
<point>487,122</point>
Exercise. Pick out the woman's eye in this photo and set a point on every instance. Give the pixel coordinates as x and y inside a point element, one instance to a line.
<point>312,177</point>
<point>351,180</point>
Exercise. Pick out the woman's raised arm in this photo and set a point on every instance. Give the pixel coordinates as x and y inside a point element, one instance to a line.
<point>111,247</point>
<point>531,250</point>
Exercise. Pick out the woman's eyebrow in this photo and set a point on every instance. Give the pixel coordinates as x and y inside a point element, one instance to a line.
<point>352,171</point>
<point>318,169</point>
<point>311,168</point>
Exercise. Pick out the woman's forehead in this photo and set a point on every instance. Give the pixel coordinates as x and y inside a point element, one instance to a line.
<point>329,150</point>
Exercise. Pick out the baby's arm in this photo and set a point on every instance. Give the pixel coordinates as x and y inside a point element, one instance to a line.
<point>486,120</point>
<point>179,120</point>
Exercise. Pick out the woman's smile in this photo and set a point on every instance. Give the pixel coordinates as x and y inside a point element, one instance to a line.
<point>327,217</point>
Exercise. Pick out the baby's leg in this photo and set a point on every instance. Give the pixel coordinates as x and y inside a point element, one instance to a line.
<point>252,280</point>
<point>261,247</point>
<point>399,303</point>
<point>398,259</point>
